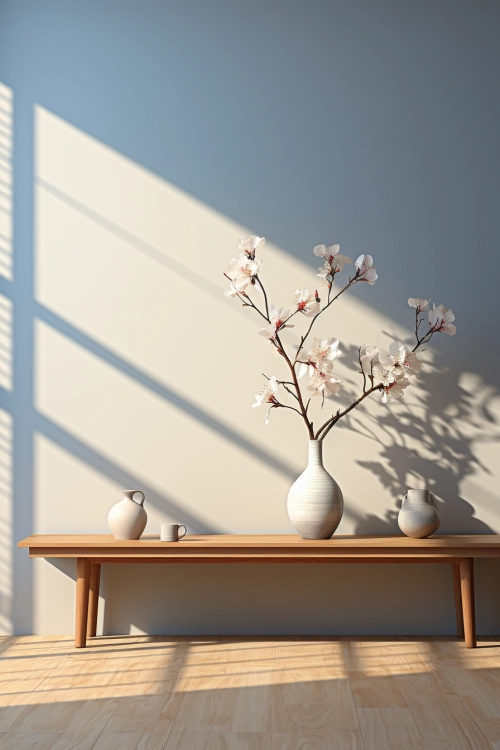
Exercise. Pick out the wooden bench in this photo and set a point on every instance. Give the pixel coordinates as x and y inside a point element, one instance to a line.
<point>91,550</point>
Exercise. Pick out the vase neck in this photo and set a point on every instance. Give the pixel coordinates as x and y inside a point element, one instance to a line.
<point>316,452</point>
<point>419,496</point>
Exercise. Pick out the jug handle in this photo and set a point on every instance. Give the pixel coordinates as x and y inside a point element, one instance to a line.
<point>433,499</point>
<point>143,497</point>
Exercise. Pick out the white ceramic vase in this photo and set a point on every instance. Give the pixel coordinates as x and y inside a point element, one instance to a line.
<point>127,519</point>
<point>315,503</point>
<point>419,517</point>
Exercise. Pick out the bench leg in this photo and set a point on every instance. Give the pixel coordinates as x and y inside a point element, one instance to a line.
<point>95,578</point>
<point>82,601</point>
<point>467,587</point>
<point>457,588</point>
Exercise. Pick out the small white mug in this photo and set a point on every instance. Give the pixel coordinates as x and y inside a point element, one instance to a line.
<point>170,532</point>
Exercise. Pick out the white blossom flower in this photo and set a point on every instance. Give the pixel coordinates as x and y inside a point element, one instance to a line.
<point>392,377</point>
<point>321,356</point>
<point>326,251</point>
<point>323,385</point>
<point>418,303</point>
<point>334,262</point>
<point>325,278</point>
<point>400,358</point>
<point>278,317</point>
<point>268,396</point>
<point>241,273</point>
<point>325,350</point>
<point>306,302</point>
<point>250,245</point>
<point>394,386</point>
<point>233,291</point>
<point>365,270</point>
<point>368,356</point>
<point>332,256</point>
<point>441,319</point>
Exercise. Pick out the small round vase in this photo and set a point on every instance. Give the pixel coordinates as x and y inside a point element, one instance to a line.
<point>419,517</point>
<point>127,519</point>
<point>315,503</point>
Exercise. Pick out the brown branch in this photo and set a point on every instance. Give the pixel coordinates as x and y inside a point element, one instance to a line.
<point>362,370</point>
<point>425,338</point>
<point>265,295</point>
<point>303,411</point>
<point>248,303</point>
<point>284,383</point>
<point>285,406</point>
<point>330,302</point>
<point>325,429</point>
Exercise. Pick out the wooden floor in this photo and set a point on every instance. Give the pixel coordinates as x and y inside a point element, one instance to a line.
<point>246,693</point>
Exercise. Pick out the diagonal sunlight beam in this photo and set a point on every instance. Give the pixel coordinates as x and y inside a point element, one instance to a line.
<point>115,472</point>
<point>152,252</point>
<point>159,389</point>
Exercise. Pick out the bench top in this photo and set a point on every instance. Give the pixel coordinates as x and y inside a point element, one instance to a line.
<point>385,541</point>
<point>217,547</point>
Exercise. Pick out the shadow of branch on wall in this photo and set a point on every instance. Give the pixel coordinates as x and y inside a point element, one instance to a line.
<point>429,439</point>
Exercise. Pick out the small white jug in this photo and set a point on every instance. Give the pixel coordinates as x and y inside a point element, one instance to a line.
<point>419,517</point>
<point>127,519</point>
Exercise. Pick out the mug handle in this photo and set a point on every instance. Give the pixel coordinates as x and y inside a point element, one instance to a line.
<point>185,532</point>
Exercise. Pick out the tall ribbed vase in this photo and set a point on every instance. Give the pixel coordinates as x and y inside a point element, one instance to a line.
<point>315,503</point>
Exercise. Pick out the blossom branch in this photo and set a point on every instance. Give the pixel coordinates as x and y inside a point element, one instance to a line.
<point>284,383</point>
<point>389,372</point>
<point>425,338</point>
<point>362,370</point>
<point>289,391</point>
<point>303,411</point>
<point>265,295</point>
<point>440,320</point>
<point>303,338</point>
<point>325,429</point>
<point>247,302</point>
<point>292,408</point>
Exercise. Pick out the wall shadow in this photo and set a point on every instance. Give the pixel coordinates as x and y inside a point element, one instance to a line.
<point>430,442</point>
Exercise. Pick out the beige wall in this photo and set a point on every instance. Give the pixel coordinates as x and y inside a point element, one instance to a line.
<point>144,375</point>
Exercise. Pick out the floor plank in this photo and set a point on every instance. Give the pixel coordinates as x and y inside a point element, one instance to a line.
<point>480,692</point>
<point>47,741</point>
<point>445,723</point>
<point>130,741</point>
<point>390,729</point>
<point>249,693</point>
